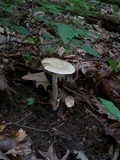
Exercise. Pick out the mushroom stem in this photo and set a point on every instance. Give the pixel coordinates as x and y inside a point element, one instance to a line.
<point>54,100</point>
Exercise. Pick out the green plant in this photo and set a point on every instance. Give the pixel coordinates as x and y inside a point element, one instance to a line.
<point>114,64</point>
<point>111,108</point>
<point>30,101</point>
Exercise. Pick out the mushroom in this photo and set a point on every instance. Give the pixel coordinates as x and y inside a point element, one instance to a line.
<point>56,67</point>
<point>69,101</point>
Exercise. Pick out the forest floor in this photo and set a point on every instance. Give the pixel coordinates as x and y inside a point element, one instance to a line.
<point>30,129</point>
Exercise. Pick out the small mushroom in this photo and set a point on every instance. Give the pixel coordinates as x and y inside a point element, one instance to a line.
<point>69,101</point>
<point>56,67</point>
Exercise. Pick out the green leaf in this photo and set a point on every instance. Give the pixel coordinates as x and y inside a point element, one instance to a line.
<point>111,108</point>
<point>7,9</point>
<point>66,32</point>
<point>48,36</point>
<point>30,101</point>
<point>20,29</point>
<point>90,50</point>
<point>50,7</point>
<point>113,63</point>
<point>5,22</point>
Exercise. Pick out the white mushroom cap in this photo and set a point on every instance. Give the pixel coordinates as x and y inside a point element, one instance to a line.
<point>58,66</point>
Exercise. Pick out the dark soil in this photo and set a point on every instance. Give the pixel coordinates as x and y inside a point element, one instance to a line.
<point>79,131</point>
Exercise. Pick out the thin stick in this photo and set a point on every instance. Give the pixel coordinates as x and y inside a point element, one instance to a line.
<point>28,127</point>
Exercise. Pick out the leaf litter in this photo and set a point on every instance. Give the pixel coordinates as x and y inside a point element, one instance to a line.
<point>95,77</point>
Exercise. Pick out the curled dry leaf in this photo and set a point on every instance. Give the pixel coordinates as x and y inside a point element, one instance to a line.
<point>69,101</point>
<point>60,51</point>
<point>20,135</point>
<point>40,79</point>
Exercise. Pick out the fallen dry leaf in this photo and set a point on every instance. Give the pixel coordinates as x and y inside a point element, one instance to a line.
<point>51,155</point>
<point>3,83</point>
<point>2,126</point>
<point>69,101</point>
<point>114,131</point>
<point>101,31</point>
<point>60,51</point>
<point>80,155</point>
<point>40,79</point>
<point>21,149</point>
<point>20,135</point>
<point>8,142</point>
<point>87,67</point>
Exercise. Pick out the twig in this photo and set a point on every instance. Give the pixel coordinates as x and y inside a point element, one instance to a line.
<point>31,128</point>
<point>82,96</point>
<point>26,116</point>
<point>26,43</point>
<point>21,64</point>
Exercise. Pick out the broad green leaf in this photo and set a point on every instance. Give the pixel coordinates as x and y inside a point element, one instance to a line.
<point>53,8</point>
<point>111,108</point>
<point>5,22</point>
<point>30,101</point>
<point>7,9</point>
<point>48,36</point>
<point>90,50</point>
<point>50,7</point>
<point>30,40</point>
<point>114,64</point>
<point>76,42</point>
<point>83,32</point>
<point>66,32</point>
<point>20,29</point>
<point>44,20</point>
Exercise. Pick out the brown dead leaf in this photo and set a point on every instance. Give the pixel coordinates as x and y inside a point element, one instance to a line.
<point>21,149</point>
<point>17,145</point>
<point>40,79</point>
<point>8,142</point>
<point>88,67</point>
<point>60,51</point>
<point>3,83</point>
<point>3,126</point>
<point>101,31</point>
<point>20,135</point>
<point>108,82</point>
<point>69,101</point>
<point>51,155</point>
<point>114,131</point>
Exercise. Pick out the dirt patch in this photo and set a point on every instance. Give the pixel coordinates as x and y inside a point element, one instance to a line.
<point>80,130</point>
